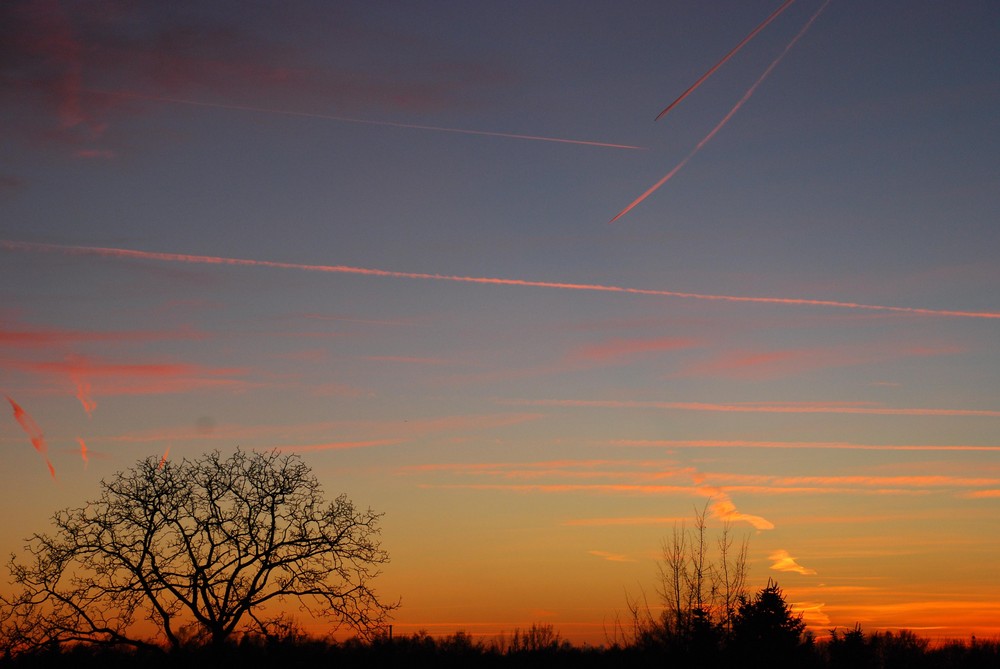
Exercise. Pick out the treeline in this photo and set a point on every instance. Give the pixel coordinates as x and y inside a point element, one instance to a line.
<point>540,647</point>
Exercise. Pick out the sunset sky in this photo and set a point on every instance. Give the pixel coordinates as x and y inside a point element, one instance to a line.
<point>377,234</point>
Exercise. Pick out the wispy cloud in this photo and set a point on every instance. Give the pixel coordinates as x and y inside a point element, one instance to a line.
<point>611,557</point>
<point>412,360</point>
<point>617,349</point>
<point>84,455</point>
<point>667,478</point>
<point>79,71</point>
<point>35,434</point>
<point>339,445</point>
<point>805,445</point>
<point>863,408</point>
<point>813,614</point>
<point>21,337</point>
<point>593,476</point>
<point>782,561</point>
<point>626,521</point>
<point>114,378</point>
<point>119,253</point>
<point>982,494</point>
<point>778,363</point>
<point>323,435</point>
<point>722,507</point>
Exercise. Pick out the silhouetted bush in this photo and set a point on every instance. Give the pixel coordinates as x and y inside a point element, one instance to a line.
<point>766,638</point>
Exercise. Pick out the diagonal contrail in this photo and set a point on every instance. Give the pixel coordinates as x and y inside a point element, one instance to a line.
<point>725,120</point>
<point>106,252</point>
<point>348,119</point>
<point>725,58</point>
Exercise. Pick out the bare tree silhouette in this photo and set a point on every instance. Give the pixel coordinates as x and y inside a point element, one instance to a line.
<point>699,594</point>
<point>200,549</point>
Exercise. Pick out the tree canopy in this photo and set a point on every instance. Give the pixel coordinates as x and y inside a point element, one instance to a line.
<point>196,549</point>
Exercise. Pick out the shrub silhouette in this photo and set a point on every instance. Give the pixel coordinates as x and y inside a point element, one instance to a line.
<point>766,626</point>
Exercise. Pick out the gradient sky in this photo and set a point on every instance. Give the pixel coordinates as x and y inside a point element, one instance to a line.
<point>431,306</point>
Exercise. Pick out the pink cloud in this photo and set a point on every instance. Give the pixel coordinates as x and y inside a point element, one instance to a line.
<point>41,337</point>
<point>93,376</point>
<point>772,364</point>
<point>410,360</point>
<point>862,408</point>
<point>34,433</point>
<point>84,453</point>
<point>611,557</point>
<point>340,445</point>
<point>616,349</point>
<point>348,431</point>
<point>65,62</point>
<point>806,445</point>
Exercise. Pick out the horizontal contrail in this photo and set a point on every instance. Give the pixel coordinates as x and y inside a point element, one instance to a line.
<point>817,445</point>
<point>725,58</point>
<point>753,407</point>
<point>107,252</point>
<point>746,96</point>
<point>348,119</point>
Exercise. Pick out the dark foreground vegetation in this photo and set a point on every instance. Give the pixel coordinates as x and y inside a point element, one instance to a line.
<point>541,647</point>
<point>198,549</point>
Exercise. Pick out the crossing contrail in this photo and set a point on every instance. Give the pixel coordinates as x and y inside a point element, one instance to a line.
<point>106,252</point>
<point>348,119</point>
<point>725,58</point>
<point>725,119</point>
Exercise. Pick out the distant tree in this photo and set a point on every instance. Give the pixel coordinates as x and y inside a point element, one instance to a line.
<point>537,638</point>
<point>695,590</point>
<point>766,626</point>
<point>699,591</point>
<point>200,549</point>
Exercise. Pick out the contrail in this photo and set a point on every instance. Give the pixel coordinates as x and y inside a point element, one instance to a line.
<point>725,58</point>
<point>163,460</point>
<point>106,252</point>
<point>33,431</point>
<point>392,124</point>
<point>725,120</point>
<point>754,407</point>
<point>829,445</point>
